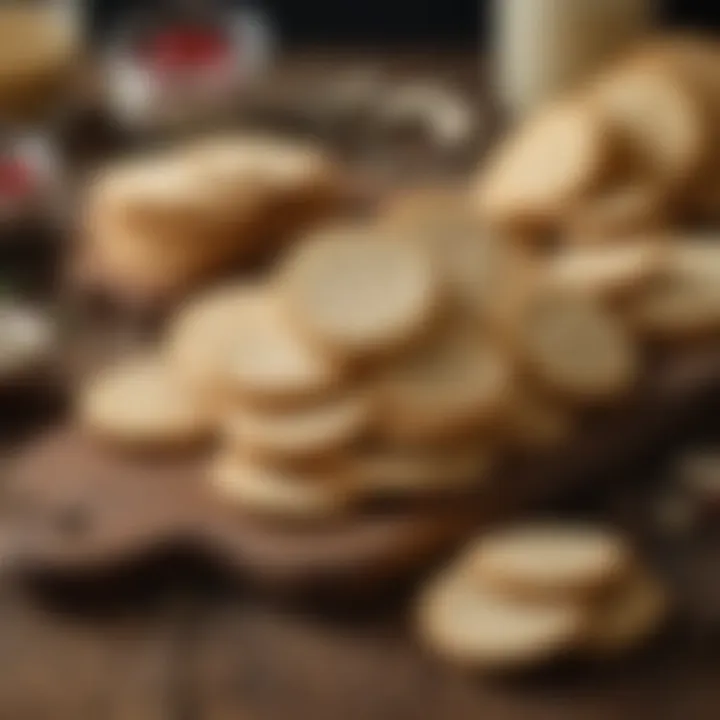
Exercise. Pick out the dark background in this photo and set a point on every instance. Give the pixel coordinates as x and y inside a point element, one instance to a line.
<point>449,22</point>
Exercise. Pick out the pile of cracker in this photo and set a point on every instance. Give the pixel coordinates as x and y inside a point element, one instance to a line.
<point>529,595</point>
<point>402,357</point>
<point>157,225</point>
<point>405,354</point>
<point>635,150</point>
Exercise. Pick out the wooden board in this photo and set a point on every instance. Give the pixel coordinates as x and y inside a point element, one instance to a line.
<point>75,507</point>
<point>198,649</point>
<point>252,660</point>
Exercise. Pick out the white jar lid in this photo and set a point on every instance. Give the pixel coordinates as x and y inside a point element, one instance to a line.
<point>28,339</point>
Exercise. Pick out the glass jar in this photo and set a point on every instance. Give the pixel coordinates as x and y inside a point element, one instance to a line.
<point>182,61</point>
<point>39,43</point>
<point>545,47</point>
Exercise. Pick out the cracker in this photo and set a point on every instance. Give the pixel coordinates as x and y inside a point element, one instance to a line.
<point>554,159</point>
<point>696,60</point>
<point>280,492</point>
<point>386,470</point>
<point>199,340</point>
<point>140,404</point>
<point>241,162</point>
<point>155,262</point>
<point>301,433</point>
<point>269,362</point>
<point>410,210</point>
<point>358,294</point>
<point>136,263</point>
<point>469,625</point>
<point>488,274</point>
<point>155,194</point>
<point>629,617</point>
<point>635,208</point>
<point>685,302</point>
<point>485,272</point>
<point>165,222</point>
<point>646,101</point>
<point>458,379</point>
<point>608,271</point>
<point>575,347</point>
<point>271,187</point>
<point>550,561</point>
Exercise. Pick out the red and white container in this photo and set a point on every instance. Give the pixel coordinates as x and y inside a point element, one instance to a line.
<point>185,65</point>
<point>30,179</point>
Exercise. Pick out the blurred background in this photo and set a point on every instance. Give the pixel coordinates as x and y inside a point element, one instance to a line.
<point>382,21</point>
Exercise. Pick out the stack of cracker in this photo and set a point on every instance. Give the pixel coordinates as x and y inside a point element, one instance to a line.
<point>529,595</point>
<point>353,374</point>
<point>156,226</point>
<point>394,359</point>
<point>634,151</point>
<point>400,359</point>
<point>404,355</point>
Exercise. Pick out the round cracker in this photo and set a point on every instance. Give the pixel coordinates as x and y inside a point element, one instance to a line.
<point>269,187</point>
<point>163,223</point>
<point>269,362</point>
<point>550,561</point>
<point>280,492</point>
<point>360,294</point>
<point>158,197</point>
<point>486,273</point>
<point>301,433</point>
<point>696,60</point>
<point>152,259</point>
<point>141,404</point>
<point>554,159</point>
<point>410,210</point>
<point>613,215</point>
<point>607,271</point>
<point>575,347</point>
<point>629,617</point>
<point>658,117</point>
<point>133,262</point>
<point>247,161</point>
<point>471,626</point>
<point>404,471</point>
<point>685,302</point>
<point>457,379</point>
<point>199,340</point>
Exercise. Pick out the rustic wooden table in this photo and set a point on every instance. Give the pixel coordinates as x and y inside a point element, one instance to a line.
<point>178,640</point>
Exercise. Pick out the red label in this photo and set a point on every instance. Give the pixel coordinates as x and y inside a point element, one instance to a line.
<point>184,49</point>
<point>16,179</point>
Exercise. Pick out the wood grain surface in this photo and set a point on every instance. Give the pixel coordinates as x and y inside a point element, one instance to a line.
<point>178,640</point>
<point>74,506</point>
<point>202,650</point>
